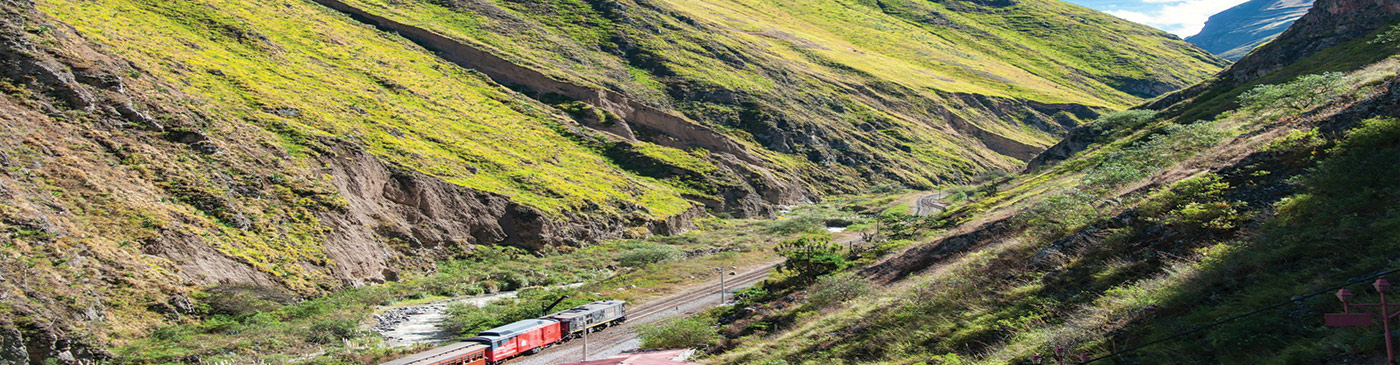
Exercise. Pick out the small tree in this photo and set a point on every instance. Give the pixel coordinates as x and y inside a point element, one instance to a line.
<point>1127,119</point>
<point>1390,36</point>
<point>836,289</point>
<point>1299,95</point>
<point>811,256</point>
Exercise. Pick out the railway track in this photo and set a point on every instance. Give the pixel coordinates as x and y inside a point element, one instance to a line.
<point>930,204</point>
<point>685,303</point>
<point>671,304</point>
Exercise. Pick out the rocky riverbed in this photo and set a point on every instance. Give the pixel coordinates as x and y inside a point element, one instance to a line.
<point>422,323</point>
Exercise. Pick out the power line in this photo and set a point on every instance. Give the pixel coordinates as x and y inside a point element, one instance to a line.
<point>1236,317</point>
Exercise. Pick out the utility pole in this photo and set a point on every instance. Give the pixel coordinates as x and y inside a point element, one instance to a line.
<point>720,271</point>
<point>1365,319</point>
<point>585,342</point>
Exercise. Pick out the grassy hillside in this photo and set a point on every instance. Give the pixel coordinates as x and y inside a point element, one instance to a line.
<point>813,79</point>
<point>157,152</point>
<point>302,71</point>
<point>1165,225</point>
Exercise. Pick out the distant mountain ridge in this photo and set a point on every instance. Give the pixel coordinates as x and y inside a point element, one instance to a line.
<point>1232,33</point>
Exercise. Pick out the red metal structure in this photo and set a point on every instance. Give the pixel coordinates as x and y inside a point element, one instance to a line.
<point>527,336</point>
<point>1382,311</point>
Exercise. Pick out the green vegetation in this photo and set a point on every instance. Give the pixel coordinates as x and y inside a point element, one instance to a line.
<point>811,256</point>
<point>1166,227</point>
<point>837,288</point>
<point>1390,36</point>
<point>255,323</point>
<point>1196,203</point>
<point>647,254</point>
<point>678,333</point>
<point>466,320</point>
<point>1305,93</point>
<point>405,105</point>
<point>762,70</point>
<point>1127,120</point>
<point>1160,150</point>
<point>243,323</point>
<point>284,143</point>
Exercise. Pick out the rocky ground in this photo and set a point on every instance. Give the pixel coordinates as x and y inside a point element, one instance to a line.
<point>418,324</point>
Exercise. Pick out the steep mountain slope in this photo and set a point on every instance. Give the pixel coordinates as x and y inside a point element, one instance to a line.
<point>1232,33</point>
<point>834,82</point>
<point>155,149</point>
<point>1212,227</point>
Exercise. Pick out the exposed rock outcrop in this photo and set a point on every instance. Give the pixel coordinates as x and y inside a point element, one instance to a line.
<point>1235,32</point>
<point>1328,24</point>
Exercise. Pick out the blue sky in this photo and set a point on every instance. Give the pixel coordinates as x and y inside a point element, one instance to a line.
<point>1181,17</point>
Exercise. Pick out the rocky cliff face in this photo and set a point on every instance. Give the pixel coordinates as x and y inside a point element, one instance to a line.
<point>1330,23</point>
<point>1235,32</point>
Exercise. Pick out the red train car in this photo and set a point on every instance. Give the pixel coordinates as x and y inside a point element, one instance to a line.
<point>461,353</point>
<point>527,336</point>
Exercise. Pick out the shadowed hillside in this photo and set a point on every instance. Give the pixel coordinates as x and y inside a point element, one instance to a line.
<point>1208,226</point>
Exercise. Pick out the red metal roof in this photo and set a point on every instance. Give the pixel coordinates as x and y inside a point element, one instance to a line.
<point>641,358</point>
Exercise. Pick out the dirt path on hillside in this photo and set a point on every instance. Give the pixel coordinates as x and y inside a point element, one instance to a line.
<point>930,204</point>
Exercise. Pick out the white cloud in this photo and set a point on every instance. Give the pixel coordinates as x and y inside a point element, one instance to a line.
<point>1182,17</point>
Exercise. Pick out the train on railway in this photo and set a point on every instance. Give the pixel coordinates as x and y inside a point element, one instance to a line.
<point>496,345</point>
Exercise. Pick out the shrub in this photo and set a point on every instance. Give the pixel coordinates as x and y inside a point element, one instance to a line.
<point>327,331</point>
<point>1196,203</point>
<point>1296,141</point>
<point>1388,37</point>
<point>680,332</point>
<point>1060,214</point>
<point>1208,215</point>
<point>219,324</point>
<point>467,319</point>
<point>1204,188</point>
<point>835,289</point>
<point>1127,119</point>
<point>811,256</point>
<point>795,225</point>
<point>639,257</point>
<point>1299,95</point>
<point>1158,151</point>
<point>753,295</point>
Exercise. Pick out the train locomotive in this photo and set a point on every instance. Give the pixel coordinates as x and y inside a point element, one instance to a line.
<point>496,345</point>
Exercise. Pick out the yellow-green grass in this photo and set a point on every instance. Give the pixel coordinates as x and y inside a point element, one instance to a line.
<point>242,60</point>
<point>788,54</point>
<point>1023,295</point>
<point>284,333</point>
